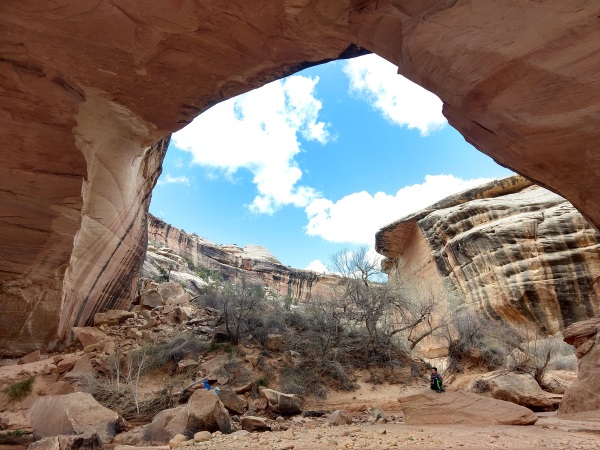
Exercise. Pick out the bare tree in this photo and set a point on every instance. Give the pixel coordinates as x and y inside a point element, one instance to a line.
<point>238,304</point>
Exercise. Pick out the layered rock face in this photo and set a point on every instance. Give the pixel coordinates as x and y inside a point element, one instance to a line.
<point>89,87</point>
<point>251,264</point>
<point>514,251</point>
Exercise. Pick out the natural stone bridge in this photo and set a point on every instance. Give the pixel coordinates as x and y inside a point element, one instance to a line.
<point>91,88</point>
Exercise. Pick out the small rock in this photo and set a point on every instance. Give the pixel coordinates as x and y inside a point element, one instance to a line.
<point>202,436</point>
<point>339,417</point>
<point>177,440</point>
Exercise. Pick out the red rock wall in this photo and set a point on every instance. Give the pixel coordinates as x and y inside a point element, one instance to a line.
<point>88,86</point>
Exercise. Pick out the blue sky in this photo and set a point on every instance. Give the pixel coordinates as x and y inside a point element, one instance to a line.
<point>315,163</point>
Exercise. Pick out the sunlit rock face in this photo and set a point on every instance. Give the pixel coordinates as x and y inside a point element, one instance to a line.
<point>251,264</point>
<point>514,251</point>
<point>88,88</point>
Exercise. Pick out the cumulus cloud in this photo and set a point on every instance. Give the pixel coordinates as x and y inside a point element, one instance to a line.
<point>399,100</point>
<point>317,266</point>
<point>167,178</point>
<point>259,131</point>
<point>356,217</point>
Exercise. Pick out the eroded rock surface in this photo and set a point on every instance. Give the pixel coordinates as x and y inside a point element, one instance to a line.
<point>88,89</point>
<point>515,251</point>
<point>431,408</point>
<point>253,263</point>
<point>583,395</point>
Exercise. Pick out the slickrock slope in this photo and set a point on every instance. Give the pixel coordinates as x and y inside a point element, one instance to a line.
<point>254,264</point>
<point>88,87</point>
<point>515,251</point>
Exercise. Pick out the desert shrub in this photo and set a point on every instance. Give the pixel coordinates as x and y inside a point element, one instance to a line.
<point>481,386</point>
<point>19,389</point>
<point>240,305</point>
<point>125,401</point>
<point>475,343</point>
<point>337,376</point>
<point>263,381</point>
<point>303,381</point>
<point>159,354</point>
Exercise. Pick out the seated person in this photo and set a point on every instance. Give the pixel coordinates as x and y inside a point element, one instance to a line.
<point>436,380</point>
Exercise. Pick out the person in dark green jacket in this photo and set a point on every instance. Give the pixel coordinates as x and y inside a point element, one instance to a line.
<point>436,381</point>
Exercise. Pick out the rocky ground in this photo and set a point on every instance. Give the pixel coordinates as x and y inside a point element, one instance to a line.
<point>246,414</point>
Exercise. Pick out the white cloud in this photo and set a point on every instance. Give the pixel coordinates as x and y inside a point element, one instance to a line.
<point>397,98</point>
<point>259,131</point>
<point>357,217</point>
<point>317,266</point>
<point>167,178</point>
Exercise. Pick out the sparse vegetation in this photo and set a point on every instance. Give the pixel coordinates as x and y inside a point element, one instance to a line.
<point>263,381</point>
<point>19,389</point>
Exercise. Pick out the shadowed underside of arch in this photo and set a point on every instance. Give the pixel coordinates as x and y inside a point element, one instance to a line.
<point>90,88</point>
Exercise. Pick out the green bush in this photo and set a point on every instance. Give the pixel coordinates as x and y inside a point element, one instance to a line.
<point>20,389</point>
<point>263,381</point>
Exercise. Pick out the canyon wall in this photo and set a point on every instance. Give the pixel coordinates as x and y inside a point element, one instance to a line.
<point>88,89</point>
<point>514,251</point>
<point>252,264</point>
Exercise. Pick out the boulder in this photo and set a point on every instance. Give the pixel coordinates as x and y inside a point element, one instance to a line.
<point>376,412</point>
<point>82,367</point>
<point>205,412</point>
<point>88,335</point>
<point>284,404</point>
<point>74,413</point>
<point>87,441</point>
<point>458,407</point>
<point>170,292</point>
<point>254,423</point>
<point>34,356</point>
<point>275,342</point>
<point>582,394</point>
<point>57,388</point>
<point>232,402</point>
<point>151,298</point>
<point>112,317</point>
<point>186,364</point>
<point>159,431</point>
<point>519,388</point>
<point>339,417</point>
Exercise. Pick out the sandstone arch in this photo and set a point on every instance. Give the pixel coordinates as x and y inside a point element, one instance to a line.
<point>89,88</point>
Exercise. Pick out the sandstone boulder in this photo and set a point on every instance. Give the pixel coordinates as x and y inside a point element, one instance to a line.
<point>88,335</point>
<point>87,441</point>
<point>339,417</point>
<point>275,342</point>
<point>31,357</point>
<point>458,407</point>
<point>232,402</point>
<point>74,413</point>
<point>151,298</point>
<point>582,394</point>
<point>172,293</point>
<point>519,388</point>
<point>284,404</point>
<point>254,423</point>
<point>161,431</point>
<point>112,317</point>
<point>205,412</point>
